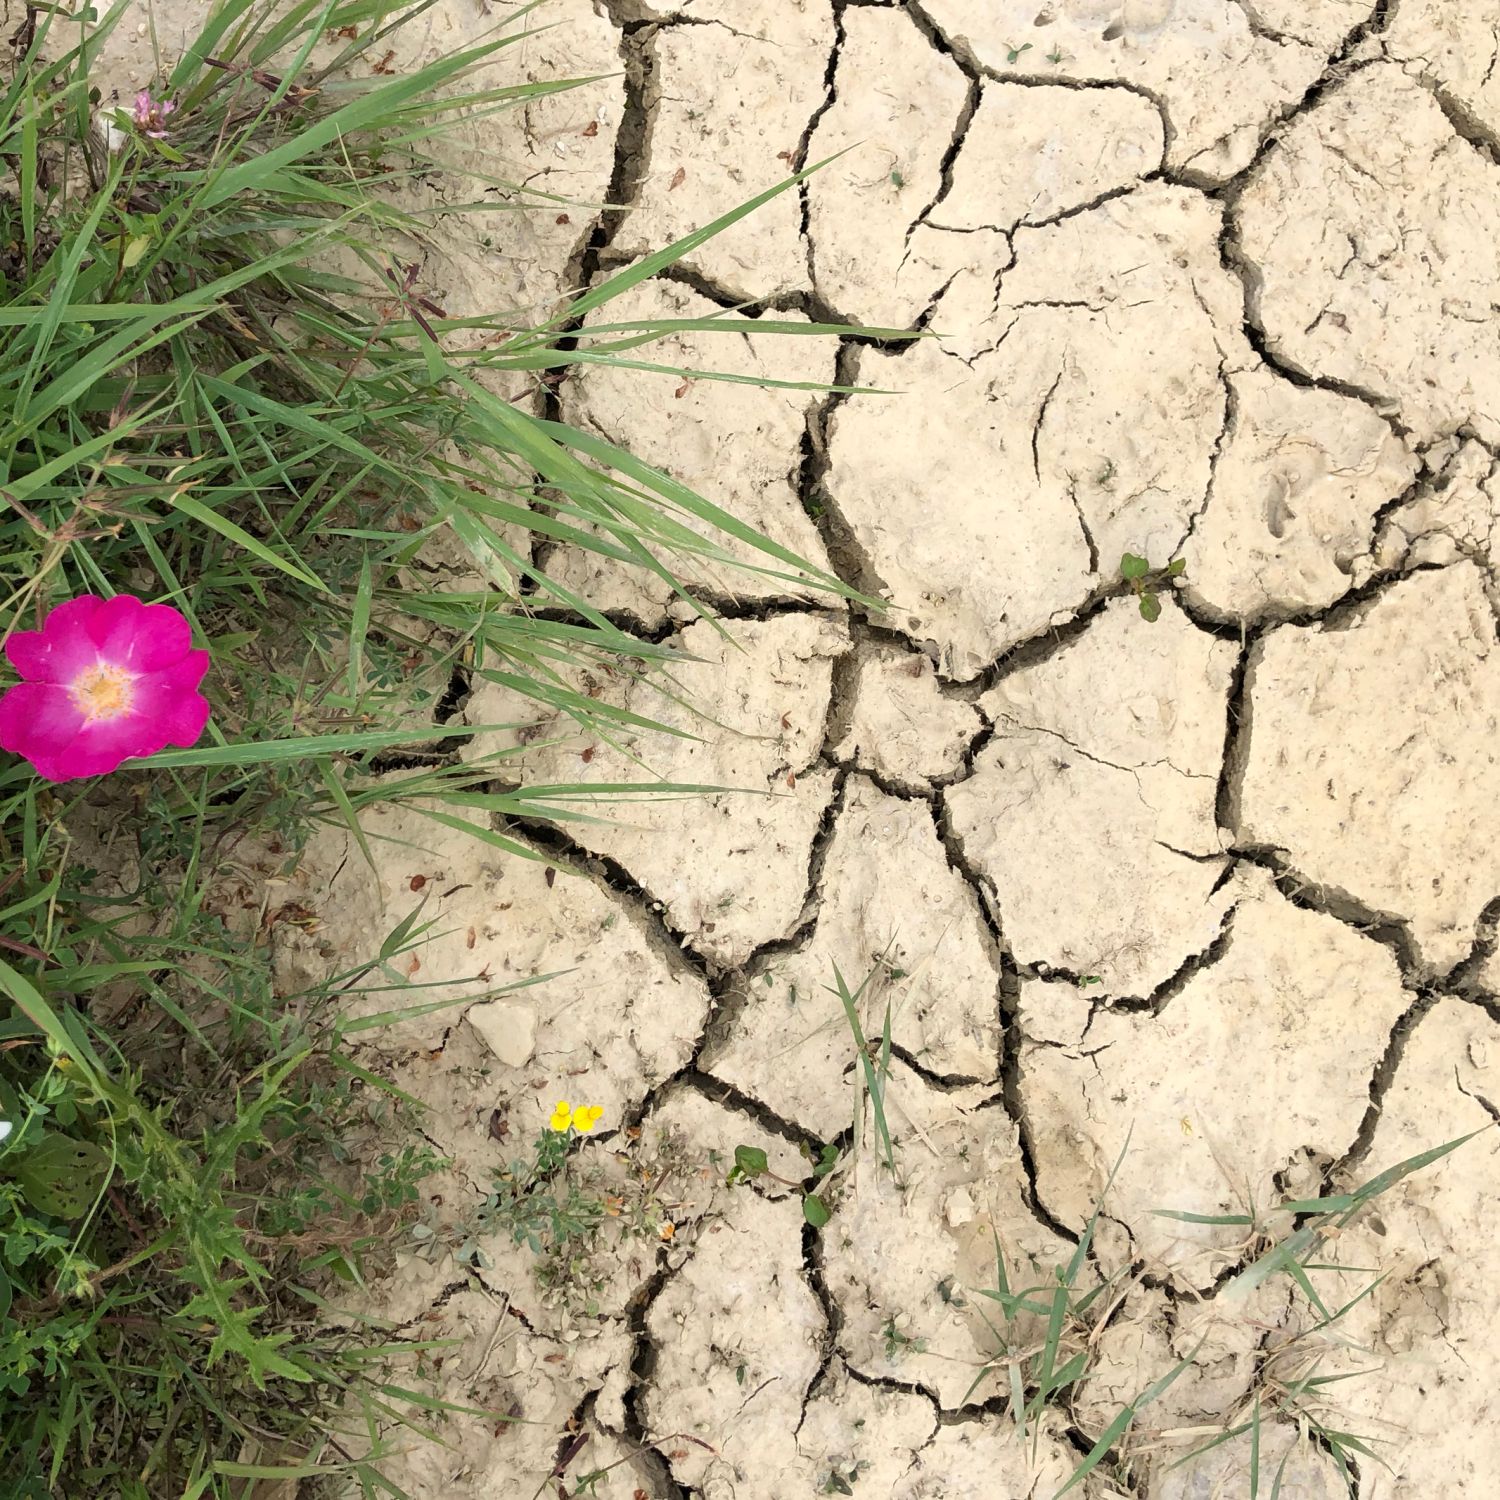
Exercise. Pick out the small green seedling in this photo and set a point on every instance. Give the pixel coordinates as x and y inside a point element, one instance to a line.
<point>1013,54</point>
<point>875,1063</point>
<point>842,1478</point>
<point>948,1293</point>
<point>751,1162</point>
<point>898,1343</point>
<point>1144,581</point>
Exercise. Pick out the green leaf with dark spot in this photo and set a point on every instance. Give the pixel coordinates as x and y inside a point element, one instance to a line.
<point>61,1176</point>
<point>815,1211</point>
<point>1132,566</point>
<point>1150,607</point>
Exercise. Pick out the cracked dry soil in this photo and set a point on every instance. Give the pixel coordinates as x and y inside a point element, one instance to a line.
<point>1217,279</point>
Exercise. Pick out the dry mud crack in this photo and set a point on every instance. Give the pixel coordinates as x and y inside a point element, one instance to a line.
<point>1204,279</point>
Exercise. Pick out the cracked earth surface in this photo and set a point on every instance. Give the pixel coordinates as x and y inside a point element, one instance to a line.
<point>1208,279</point>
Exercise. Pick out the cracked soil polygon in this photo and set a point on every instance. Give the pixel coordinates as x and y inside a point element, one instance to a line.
<point>488,1360</point>
<point>728,867</point>
<point>1284,1031</point>
<point>1319,23</point>
<point>921,941</point>
<point>1455,48</point>
<point>1395,810</point>
<point>901,726</point>
<point>1453,516</point>
<point>732,442</point>
<point>1372,237</point>
<point>888,1441</point>
<point>738,1337</point>
<point>906,1250</point>
<point>1296,489</point>
<point>1224,1338</point>
<point>729,102</point>
<point>896,102</point>
<point>1090,813</point>
<point>621,1014</point>
<point>1180,53</point>
<point>1083,428</point>
<point>1034,154</point>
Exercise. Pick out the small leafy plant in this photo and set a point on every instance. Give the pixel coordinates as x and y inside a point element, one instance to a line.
<point>842,1477</point>
<point>750,1163</point>
<point>1146,582</point>
<point>536,1201</point>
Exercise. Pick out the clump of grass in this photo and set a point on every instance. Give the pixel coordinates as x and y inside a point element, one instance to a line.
<point>874,1059</point>
<point>1290,1384</point>
<point>198,409</point>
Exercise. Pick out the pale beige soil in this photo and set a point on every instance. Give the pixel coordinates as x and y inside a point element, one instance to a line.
<point>1210,279</point>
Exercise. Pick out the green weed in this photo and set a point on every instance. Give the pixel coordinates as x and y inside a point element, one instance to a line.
<point>1146,582</point>
<point>750,1162</point>
<point>1290,1383</point>
<point>536,1204</point>
<point>874,1060</point>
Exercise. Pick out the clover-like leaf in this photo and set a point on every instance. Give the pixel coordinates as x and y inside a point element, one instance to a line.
<point>749,1161</point>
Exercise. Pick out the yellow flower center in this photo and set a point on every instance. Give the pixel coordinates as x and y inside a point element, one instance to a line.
<point>103,692</point>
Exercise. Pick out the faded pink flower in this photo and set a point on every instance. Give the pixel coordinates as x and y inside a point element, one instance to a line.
<point>151,114</point>
<point>103,680</point>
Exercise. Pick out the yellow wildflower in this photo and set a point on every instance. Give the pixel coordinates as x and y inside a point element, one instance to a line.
<point>561,1114</point>
<point>585,1117</point>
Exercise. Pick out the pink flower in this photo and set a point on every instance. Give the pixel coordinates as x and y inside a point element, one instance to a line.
<point>151,114</point>
<point>103,680</point>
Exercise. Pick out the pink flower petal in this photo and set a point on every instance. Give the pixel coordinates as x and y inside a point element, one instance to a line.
<point>98,748</point>
<point>40,721</point>
<point>62,648</point>
<point>173,704</point>
<point>142,637</point>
